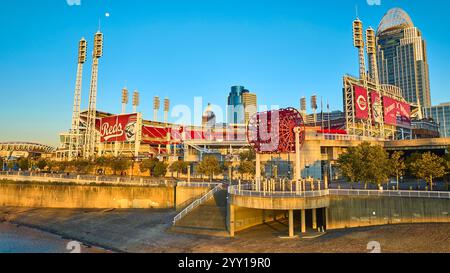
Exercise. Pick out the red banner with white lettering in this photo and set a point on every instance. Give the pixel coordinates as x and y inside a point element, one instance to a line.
<point>121,128</point>
<point>396,112</point>
<point>361,103</point>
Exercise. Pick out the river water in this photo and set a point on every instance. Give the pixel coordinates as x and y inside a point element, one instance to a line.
<point>14,239</point>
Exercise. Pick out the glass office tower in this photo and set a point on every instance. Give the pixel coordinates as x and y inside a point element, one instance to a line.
<point>402,57</point>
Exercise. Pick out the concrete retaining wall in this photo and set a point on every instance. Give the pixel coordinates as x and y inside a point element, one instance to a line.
<point>348,212</point>
<point>93,197</point>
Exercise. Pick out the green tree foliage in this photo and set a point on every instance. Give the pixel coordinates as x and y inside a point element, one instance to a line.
<point>160,169</point>
<point>120,164</point>
<point>247,168</point>
<point>154,166</point>
<point>62,166</point>
<point>179,167</point>
<point>428,167</point>
<point>398,165</point>
<point>11,165</point>
<point>24,163</point>
<point>41,164</point>
<point>2,162</point>
<point>349,164</point>
<point>209,166</point>
<point>147,165</point>
<point>365,163</point>
<point>82,166</point>
<point>249,155</point>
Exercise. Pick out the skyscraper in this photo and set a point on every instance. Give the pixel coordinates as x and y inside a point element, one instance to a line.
<point>402,57</point>
<point>241,105</point>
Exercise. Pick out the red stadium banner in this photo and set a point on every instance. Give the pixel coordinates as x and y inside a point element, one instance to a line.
<point>377,107</point>
<point>396,112</point>
<point>390,111</point>
<point>121,128</point>
<point>404,111</point>
<point>361,103</point>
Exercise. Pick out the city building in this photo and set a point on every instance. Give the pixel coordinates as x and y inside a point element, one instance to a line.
<point>441,115</point>
<point>241,105</point>
<point>402,57</point>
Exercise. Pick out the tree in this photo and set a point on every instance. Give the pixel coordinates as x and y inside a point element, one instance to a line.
<point>41,164</point>
<point>82,166</point>
<point>179,167</point>
<point>148,165</point>
<point>247,168</point>
<point>209,166</point>
<point>11,165</point>
<point>160,169</point>
<point>398,166</point>
<point>120,164</point>
<point>365,163</point>
<point>23,163</point>
<point>249,155</point>
<point>102,162</point>
<point>62,166</point>
<point>428,167</point>
<point>348,164</point>
<point>2,162</point>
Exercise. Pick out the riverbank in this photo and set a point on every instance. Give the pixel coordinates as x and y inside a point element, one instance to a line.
<point>146,231</point>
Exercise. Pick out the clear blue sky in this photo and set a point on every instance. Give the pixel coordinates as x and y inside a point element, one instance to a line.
<point>281,50</point>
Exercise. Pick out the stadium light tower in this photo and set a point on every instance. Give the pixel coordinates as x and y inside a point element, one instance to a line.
<point>136,101</point>
<point>303,107</point>
<point>74,142</point>
<point>125,99</point>
<point>358,41</point>
<point>156,106</point>
<point>371,52</point>
<point>91,133</point>
<point>314,108</point>
<point>166,109</point>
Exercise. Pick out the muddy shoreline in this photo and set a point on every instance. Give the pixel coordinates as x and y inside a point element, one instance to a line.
<point>147,231</point>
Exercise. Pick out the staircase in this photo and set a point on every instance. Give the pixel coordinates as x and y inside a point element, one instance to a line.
<point>205,216</point>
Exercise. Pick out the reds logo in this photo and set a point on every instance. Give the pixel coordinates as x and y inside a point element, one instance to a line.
<point>108,131</point>
<point>362,102</point>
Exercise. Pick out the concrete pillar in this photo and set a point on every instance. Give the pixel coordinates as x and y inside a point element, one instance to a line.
<point>314,218</point>
<point>189,174</point>
<point>258,172</point>
<point>303,221</point>
<point>291,223</point>
<point>326,217</point>
<point>326,181</point>
<point>297,154</point>
<point>231,220</point>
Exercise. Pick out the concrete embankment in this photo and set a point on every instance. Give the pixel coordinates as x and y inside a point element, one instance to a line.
<point>48,195</point>
<point>357,211</point>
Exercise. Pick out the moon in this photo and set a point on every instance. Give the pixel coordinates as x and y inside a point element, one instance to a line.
<point>107,14</point>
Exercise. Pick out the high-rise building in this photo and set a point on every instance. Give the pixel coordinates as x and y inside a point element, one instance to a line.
<point>441,115</point>
<point>402,57</point>
<point>241,105</point>
<point>250,102</point>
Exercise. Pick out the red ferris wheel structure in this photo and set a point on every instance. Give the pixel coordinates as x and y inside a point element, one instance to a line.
<point>274,131</point>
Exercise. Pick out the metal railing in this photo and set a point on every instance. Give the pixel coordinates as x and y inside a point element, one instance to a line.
<point>197,203</point>
<point>198,184</point>
<point>389,193</point>
<point>81,179</point>
<point>247,190</point>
